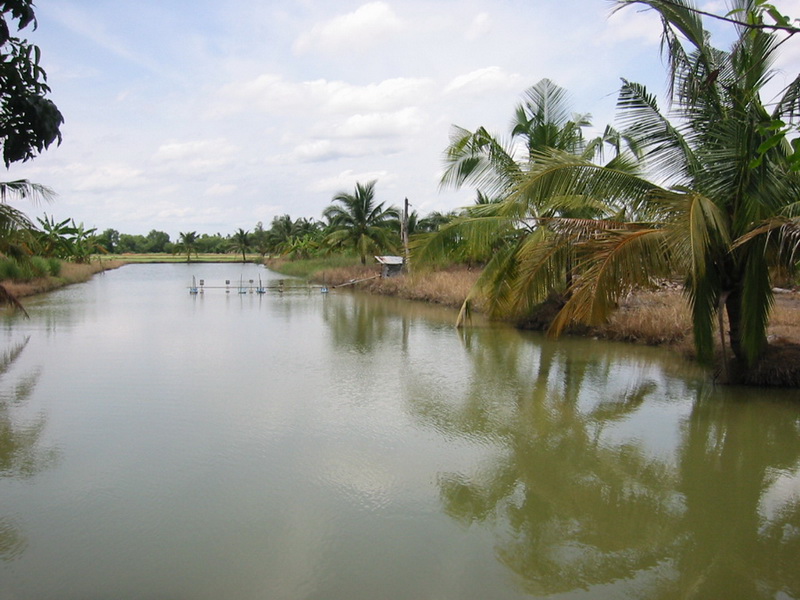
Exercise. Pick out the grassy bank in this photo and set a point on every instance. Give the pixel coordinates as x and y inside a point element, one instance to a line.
<point>70,273</point>
<point>658,318</point>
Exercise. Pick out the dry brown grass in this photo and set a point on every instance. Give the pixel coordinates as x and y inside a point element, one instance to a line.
<point>784,323</point>
<point>448,287</point>
<point>655,318</point>
<point>659,318</point>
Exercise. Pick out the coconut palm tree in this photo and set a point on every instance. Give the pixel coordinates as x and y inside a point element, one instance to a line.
<point>724,189</point>
<point>187,242</point>
<point>358,222</point>
<point>240,242</point>
<point>500,229</point>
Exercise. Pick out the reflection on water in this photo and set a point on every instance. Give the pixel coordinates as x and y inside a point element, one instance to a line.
<point>574,506</point>
<point>337,446</point>
<point>21,454</point>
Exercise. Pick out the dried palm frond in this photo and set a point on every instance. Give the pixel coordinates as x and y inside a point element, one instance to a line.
<point>8,299</point>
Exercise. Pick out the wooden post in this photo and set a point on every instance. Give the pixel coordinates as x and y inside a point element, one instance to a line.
<point>404,235</point>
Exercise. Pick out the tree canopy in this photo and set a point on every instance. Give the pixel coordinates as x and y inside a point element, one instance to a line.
<point>29,121</point>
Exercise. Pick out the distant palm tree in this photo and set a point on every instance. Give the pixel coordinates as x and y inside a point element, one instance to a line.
<point>358,222</point>
<point>240,242</point>
<point>279,233</point>
<point>187,242</point>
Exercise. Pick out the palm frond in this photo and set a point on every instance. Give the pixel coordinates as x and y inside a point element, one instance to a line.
<point>544,260</point>
<point>465,237</point>
<point>12,219</point>
<point>24,189</point>
<point>477,158</point>
<point>788,107</point>
<point>609,267</point>
<point>664,147</point>
<point>558,174</point>
<point>8,299</point>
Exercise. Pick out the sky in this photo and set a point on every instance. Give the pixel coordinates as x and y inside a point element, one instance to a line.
<point>210,116</point>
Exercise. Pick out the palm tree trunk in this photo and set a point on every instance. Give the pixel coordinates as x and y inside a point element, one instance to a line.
<point>740,362</point>
<point>733,307</point>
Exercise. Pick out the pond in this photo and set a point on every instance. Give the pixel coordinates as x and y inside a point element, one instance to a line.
<point>301,445</point>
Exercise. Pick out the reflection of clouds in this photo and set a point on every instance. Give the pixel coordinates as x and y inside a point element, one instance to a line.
<point>299,561</point>
<point>782,492</point>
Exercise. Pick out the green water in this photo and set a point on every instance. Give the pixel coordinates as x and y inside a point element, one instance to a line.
<point>159,445</point>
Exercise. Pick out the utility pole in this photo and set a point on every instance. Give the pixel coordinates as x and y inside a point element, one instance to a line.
<point>404,236</point>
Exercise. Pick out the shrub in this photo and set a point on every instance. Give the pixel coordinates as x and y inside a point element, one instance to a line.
<point>54,266</point>
<point>9,269</point>
<point>39,267</point>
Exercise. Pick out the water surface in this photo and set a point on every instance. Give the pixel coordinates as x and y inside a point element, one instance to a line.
<point>294,444</point>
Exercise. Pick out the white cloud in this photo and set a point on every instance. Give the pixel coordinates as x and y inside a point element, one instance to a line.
<point>402,122</point>
<point>480,26</point>
<point>272,94</point>
<point>195,156</point>
<point>632,23</point>
<point>346,181</point>
<point>85,24</point>
<point>101,178</point>
<point>320,150</point>
<point>188,151</point>
<point>488,79</point>
<point>221,189</point>
<point>368,25</point>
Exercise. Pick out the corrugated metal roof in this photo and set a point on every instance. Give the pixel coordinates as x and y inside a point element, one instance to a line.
<point>390,260</point>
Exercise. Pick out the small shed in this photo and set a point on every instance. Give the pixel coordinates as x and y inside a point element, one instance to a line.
<point>392,265</point>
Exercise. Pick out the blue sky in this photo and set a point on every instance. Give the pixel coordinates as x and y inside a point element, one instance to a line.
<point>210,116</point>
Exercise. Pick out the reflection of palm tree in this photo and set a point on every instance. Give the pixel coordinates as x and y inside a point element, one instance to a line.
<point>359,325</point>
<point>20,454</point>
<point>732,453</point>
<point>577,512</point>
<point>574,507</point>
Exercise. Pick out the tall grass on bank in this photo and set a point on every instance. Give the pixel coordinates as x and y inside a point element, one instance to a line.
<point>655,318</point>
<point>50,274</point>
<point>316,269</point>
<point>31,268</point>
